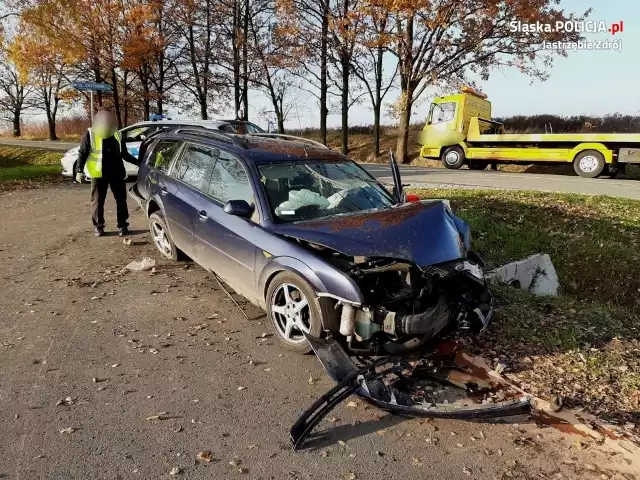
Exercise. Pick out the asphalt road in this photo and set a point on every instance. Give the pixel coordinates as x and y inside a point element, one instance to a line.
<point>440,177</point>
<point>108,374</point>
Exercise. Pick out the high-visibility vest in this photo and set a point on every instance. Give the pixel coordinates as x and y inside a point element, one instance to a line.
<point>94,161</point>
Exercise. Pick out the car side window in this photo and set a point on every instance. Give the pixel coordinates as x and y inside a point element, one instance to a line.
<point>229,180</point>
<point>138,134</point>
<point>162,155</point>
<point>194,165</point>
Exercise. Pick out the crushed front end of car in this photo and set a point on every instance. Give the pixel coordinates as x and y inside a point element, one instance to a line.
<point>419,281</point>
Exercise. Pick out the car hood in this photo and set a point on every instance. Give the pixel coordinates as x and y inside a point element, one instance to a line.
<point>424,233</point>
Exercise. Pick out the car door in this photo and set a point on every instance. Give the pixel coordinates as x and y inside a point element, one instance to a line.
<point>226,241</point>
<point>185,197</point>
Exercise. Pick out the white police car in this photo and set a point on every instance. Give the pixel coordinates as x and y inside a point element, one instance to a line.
<point>136,133</point>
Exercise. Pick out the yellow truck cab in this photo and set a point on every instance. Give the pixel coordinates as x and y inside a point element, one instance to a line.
<point>459,131</point>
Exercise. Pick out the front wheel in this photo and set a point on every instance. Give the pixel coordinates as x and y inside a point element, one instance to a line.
<point>453,158</point>
<point>589,164</point>
<point>294,310</point>
<point>161,237</point>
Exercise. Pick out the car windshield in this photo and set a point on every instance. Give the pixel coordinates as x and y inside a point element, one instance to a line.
<point>309,189</point>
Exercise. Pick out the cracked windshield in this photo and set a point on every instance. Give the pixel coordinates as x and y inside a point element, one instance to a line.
<point>315,189</point>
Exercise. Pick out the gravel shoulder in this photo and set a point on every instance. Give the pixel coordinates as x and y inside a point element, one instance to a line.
<point>130,347</point>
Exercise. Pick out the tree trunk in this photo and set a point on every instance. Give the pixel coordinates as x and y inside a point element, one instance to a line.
<point>51,123</point>
<point>16,124</point>
<point>203,109</point>
<point>377,106</point>
<point>245,61</point>
<point>344,134</point>
<point>159,103</point>
<point>280,118</point>
<point>324,111</point>
<point>405,120</point>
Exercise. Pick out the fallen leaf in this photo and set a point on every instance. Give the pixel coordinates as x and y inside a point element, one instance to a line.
<point>350,476</point>
<point>242,388</point>
<point>175,471</point>
<point>67,430</point>
<point>235,462</point>
<point>204,456</point>
<point>352,404</point>
<point>311,381</point>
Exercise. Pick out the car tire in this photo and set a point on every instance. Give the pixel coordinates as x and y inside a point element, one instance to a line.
<point>589,164</point>
<point>161,237</point>
<point>285,321</point>
<point>453,158</point>
<point>478,165</point>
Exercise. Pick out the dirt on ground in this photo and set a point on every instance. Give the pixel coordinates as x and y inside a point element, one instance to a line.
<point>112,374</point>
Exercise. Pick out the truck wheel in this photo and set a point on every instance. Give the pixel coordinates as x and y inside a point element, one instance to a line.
<point>453,158</point>
<point>477,165</point>
<point>589,164</point>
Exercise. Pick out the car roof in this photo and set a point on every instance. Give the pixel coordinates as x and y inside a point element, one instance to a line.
<point>262,148</point>
<point>202,123</point>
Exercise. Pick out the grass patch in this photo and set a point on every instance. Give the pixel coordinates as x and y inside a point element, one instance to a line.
<point>23,167</point>
<point>585,344</point>
<point>593,240</point>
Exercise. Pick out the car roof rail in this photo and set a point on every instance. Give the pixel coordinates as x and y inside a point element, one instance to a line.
<point>288,137</point>
<point>201,130</point>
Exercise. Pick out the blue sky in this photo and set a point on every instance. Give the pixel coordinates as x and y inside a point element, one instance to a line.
<point>586,82</point>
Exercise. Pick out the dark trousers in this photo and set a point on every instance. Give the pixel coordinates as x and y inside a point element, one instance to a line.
<point>99,188</point>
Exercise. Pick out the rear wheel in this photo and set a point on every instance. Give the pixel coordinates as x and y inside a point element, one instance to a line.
<point>478,165</point>
<point>161,236</point>
<point>294,308</point>
<point>589,164</point>
<point>453,158</point>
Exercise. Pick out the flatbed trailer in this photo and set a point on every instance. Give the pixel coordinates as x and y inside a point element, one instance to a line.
<point>459,131</point>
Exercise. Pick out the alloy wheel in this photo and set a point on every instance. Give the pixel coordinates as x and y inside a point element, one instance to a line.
<point>290,313</point>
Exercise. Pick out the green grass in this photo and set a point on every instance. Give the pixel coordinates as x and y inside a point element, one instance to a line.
<point>585,344</point>
<point>22,166</point>
<point>594,241</point>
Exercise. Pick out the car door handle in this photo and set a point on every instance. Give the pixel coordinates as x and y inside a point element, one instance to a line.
<point>164,191</point>
<point>203,215</point>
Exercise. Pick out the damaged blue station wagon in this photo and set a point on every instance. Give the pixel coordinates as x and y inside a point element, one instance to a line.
<point>311,237</point>
<point>341,265</point>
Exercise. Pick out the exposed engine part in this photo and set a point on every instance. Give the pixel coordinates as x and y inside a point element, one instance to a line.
<point>347,320</point>
<point>430,322</point>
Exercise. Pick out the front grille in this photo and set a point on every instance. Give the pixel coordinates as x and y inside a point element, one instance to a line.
<point>443,270</point>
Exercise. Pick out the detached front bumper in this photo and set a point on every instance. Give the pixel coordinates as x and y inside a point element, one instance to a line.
<point>385,384</point>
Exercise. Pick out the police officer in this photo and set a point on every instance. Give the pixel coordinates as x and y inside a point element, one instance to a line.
<point>102,151</point>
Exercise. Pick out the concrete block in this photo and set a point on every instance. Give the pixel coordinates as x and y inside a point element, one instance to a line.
<point>535,274</point>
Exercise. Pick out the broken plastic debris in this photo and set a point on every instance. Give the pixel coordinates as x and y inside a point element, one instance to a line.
<point>159,416</point>
<point>140,265</point>
<point>67,430</point>
<point>67,401</point>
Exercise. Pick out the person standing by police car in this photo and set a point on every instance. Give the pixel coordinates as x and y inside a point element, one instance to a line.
<point>102,151</point>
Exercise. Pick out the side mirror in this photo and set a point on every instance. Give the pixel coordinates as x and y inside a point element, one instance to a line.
<point>239,208</point>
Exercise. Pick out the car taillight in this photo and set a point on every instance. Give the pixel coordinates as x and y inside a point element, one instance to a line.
<point>412,197</point>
